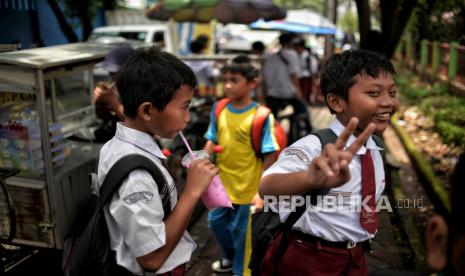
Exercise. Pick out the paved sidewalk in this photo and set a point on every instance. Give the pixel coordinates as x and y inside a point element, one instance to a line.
<point>385,253</point>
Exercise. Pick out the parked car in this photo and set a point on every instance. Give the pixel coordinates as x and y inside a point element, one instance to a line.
<point>157,34</point>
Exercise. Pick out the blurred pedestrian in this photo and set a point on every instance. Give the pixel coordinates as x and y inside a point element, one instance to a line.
<point>258,48</point>
<point>281,86</point>
<point>108,107</point>
<point>239,163</point>
<point>308,68</point>
<point>203,69</point>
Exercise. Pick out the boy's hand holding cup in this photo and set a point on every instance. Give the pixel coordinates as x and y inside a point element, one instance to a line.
<point>203,181</point>
<point>200,172</point>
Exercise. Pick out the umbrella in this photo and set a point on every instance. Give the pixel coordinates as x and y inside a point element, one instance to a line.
<point>224,11</point>
<point>299,21</point>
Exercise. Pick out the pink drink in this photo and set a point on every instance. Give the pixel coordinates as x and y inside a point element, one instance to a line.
<point>215,195</point>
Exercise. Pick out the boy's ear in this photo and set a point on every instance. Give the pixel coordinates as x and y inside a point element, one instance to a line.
<point>436,243</point>
<point>253,84</point>
<point>145,111</point>
<point>335,102</point>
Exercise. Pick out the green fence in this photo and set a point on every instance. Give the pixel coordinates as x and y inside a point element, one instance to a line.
<point>434,60</point>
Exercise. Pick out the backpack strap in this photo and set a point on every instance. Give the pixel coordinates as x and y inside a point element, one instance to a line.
<point>220,105</point>
<point>121,169</point>
<point>282,58</point>
<point>258,122</point>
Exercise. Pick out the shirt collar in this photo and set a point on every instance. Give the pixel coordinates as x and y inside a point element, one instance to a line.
<point>139,139</point>
<point>338,127</point>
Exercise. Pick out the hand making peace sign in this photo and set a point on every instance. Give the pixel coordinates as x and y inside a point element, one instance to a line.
<point>331,168</point>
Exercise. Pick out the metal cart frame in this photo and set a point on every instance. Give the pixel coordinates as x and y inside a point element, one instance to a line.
<point>57,190</point>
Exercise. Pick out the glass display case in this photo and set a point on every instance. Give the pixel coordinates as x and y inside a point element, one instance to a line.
<point>46,97</point>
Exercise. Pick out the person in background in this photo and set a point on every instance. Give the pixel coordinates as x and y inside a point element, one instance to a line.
<point>281,86</point>
<point>204,39</point>
<point>308,68</point>
<point>203,69</point>
<point>258,48</point>
<point>240,166</point>
<point>108,107</point>
<point>445,234</point>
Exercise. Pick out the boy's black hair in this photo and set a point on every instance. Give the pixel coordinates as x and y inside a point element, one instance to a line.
<point>151,76</point>
<point>286,38</point>
<point>300,42</point>
<point>197,46</point>
<point>339,72</point>
<point>242,65</point>
<point>258,46</point>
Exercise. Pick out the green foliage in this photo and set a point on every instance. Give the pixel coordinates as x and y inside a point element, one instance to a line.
<point>448,112</point>
<point>440,20</point>
<point>348,22</point>
<point>413,94</point>
<point>316,5</point>
<point>451,133</point>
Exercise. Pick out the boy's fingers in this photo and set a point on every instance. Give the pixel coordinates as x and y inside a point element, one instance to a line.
<point>323,165</point>
<point>350,128</point>
<point>361,139</point>
<point>331,154</point>
<point>345,155</point>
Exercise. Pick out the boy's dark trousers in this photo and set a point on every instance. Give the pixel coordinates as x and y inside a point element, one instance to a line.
<point>277,104</point>
<point>308,255</point>
<point>177,271</point>
<point>300,124</point>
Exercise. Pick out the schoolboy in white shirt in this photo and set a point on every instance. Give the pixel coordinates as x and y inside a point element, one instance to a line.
<point>359,89</point>
<point>155,89</point>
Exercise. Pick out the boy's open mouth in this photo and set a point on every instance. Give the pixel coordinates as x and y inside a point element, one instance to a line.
<point>383,116</point>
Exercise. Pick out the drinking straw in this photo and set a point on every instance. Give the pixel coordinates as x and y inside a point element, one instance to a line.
<point>185,143</point>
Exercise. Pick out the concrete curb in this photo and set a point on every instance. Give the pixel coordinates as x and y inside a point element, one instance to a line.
<point>431,183</point>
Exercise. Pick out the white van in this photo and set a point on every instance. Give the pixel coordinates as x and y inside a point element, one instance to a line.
<point>156,34</point>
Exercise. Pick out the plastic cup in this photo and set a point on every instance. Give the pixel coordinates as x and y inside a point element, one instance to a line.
<point>197,154</point>
<point>215,196</point>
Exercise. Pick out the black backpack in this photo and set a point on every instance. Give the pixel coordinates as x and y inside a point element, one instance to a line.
<point>87,244</point>
<point>266,224</point>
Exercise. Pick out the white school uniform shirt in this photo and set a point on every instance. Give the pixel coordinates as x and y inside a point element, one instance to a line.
<point>135,213</point>
<point>343,225</point>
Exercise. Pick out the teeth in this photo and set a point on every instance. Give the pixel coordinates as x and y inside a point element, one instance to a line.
<point>383,116</point>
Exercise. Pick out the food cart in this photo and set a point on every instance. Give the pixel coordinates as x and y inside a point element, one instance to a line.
<point>45,98</point>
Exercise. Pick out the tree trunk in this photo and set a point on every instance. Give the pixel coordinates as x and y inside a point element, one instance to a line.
<point>331,14</point>
<point>86,23</point>
<point>64,26</point>
<point>364,23</point>
<point>394,18</point>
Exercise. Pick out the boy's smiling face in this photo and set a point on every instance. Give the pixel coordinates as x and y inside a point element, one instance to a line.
<point>370,100</point>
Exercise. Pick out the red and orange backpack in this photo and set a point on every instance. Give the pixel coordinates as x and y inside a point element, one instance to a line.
<point>258,123</point>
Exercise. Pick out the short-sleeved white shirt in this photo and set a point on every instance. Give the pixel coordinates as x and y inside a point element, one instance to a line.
<point>277,74</point>
<point>340,225</point>
<point>135,214</point>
